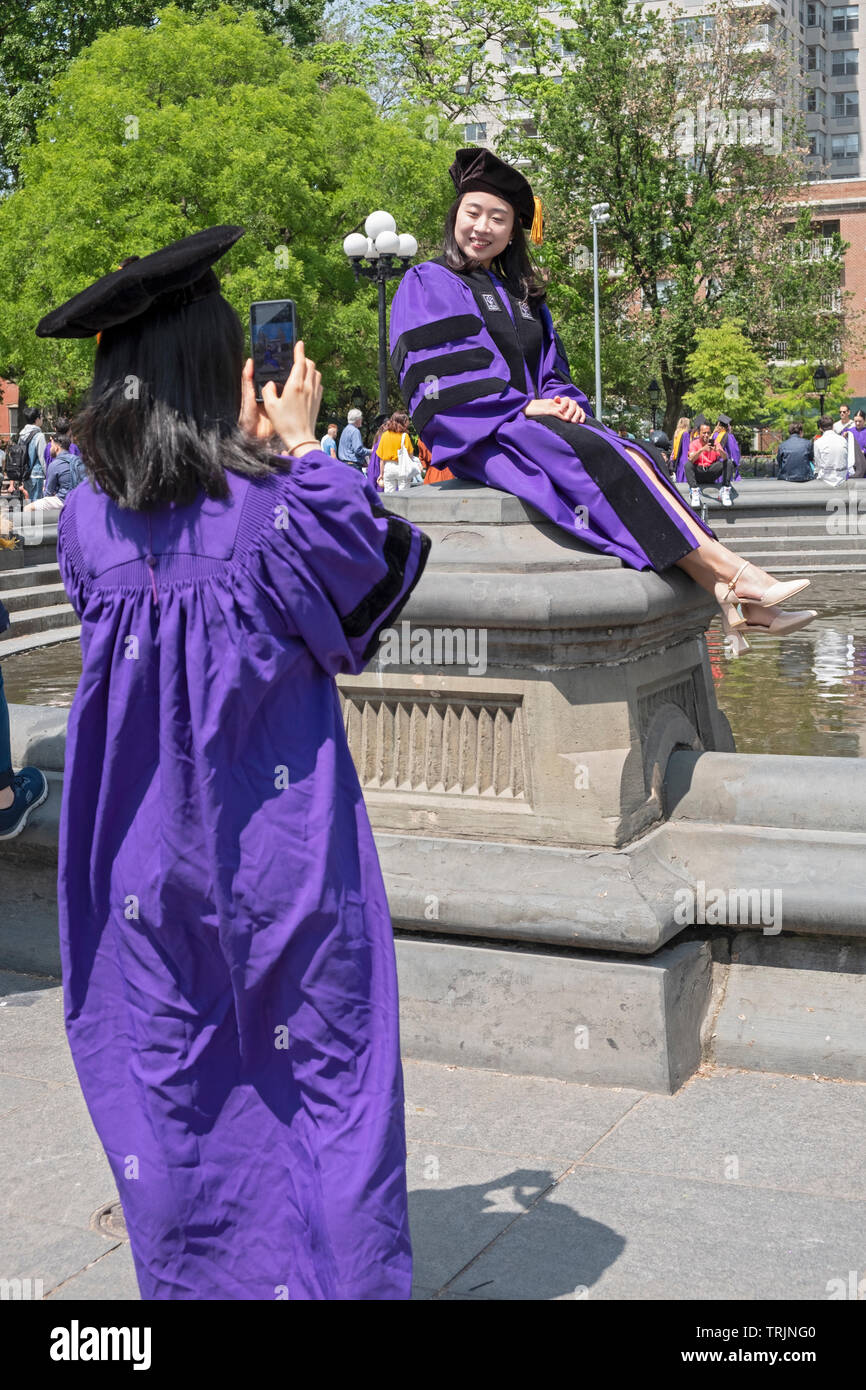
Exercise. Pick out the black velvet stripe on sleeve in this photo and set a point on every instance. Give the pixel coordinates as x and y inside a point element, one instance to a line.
<point>450,396</point>
<point>444,364</point>
<point>630,494</point>
<point>396,550</point>
<point>435,334</point>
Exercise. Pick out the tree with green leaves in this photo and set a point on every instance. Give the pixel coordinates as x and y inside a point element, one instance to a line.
<point>199,121</point>
<point>40,38</point>
<point>728,375</point>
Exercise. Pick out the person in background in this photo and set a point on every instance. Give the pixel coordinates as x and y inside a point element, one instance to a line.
<point>65,472</point>
<point>794,457</point>
<point>20,792</point>
<point>724,438</point>
<point>374,463</point>
<point>830,451</point>
<point>680,448</point>
<point>706,463</point>
<point>393,475</point>
<point>659,440</point>
<point>351,447</point>
<point>38,448</point>
<point>858,429</point>
<point>844,422</point>
<point>329,440</point>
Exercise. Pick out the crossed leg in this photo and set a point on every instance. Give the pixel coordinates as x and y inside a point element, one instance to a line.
<point>711,562</point>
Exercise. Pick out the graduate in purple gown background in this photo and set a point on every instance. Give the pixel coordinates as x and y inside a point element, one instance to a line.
<point>724,438</point>
<point>485,376</point>
<point>228,959</point>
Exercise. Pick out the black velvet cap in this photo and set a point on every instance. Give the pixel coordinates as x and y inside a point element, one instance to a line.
<point>178,274</point>
<point>476,169</point>
<point>698,421</point>
<point>725,420</point>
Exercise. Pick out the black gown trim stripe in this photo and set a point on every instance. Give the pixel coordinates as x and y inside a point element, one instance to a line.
<point>625,489</point>
<point>456,395</point>
<point>434,334</point>
<point>377,602</point>
<point>497,320</point>
<point>445,364</point>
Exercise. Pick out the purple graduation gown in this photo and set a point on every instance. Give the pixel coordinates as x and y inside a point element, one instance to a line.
<point>228,957</point>
<point>469,357</point>
<point>680,458</point>
<point>726,439</point>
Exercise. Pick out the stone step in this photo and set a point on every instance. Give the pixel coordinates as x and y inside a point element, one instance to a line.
<point>825,545</point>
<point>19,600</point>
<point>43,573</point>
<point>824,558</point>
<point>32,620</point>
<point>11,646</point>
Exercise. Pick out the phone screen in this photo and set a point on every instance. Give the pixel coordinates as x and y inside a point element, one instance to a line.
<point>273,330</point>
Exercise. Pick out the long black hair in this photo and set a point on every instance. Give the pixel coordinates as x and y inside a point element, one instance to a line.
<point>161,419</point>
<point>514,265</point>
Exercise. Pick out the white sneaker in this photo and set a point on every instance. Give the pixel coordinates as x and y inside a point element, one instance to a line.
<point>725,497</point>
<point>694,497</point>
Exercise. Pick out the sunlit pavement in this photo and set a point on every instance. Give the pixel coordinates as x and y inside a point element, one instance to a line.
<point>742,1185</point>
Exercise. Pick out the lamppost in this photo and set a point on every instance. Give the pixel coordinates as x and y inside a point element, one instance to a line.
<point>654,393</point>
<point>821,381</point>
<point>379,248</point>
<point>599,213</point>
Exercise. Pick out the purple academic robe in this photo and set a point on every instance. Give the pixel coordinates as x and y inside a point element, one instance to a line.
<point>374,463</point>
<point>228,957</point>
<point>469,357</point>
<point>727,440</point>
<point>680,458</point>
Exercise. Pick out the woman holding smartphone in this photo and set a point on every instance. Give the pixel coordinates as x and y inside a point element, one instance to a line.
<point>228,958</point>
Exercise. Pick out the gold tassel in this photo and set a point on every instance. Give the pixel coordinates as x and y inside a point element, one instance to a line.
<point>535,231</point>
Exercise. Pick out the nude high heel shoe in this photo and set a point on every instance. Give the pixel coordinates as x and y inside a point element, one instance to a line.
<point>784,623</point>
<point>726,598</point>
<point>777,593</point>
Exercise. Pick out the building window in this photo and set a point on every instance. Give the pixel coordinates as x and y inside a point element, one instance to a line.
<point>845,63</point>
<point>846,18</point>
<point>846,104</point>
<point>845,146</point>
<point>699,29</point>
<point>475,132</point>
<point>815,58</point>
<point>815,101</point>
<point>816,144</point>
<point>815,16</point>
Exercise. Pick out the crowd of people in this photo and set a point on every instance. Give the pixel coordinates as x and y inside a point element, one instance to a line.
<point>395,459</point>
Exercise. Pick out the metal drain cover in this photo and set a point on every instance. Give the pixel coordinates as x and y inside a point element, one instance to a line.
<point>109,1220</point>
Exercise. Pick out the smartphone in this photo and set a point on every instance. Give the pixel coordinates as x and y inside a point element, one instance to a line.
<point>273,334</point>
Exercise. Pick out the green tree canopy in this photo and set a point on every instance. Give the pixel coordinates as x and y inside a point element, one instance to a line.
<point>157,133</point>
<point>729,377</point>
<point>39,38</point>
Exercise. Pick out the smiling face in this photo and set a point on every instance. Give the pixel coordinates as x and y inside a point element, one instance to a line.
<point>705,434</point>
<point>483,227</point>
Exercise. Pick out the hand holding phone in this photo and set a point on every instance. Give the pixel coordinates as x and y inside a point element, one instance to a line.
<point>294,412</point>
<point>273,334</point>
